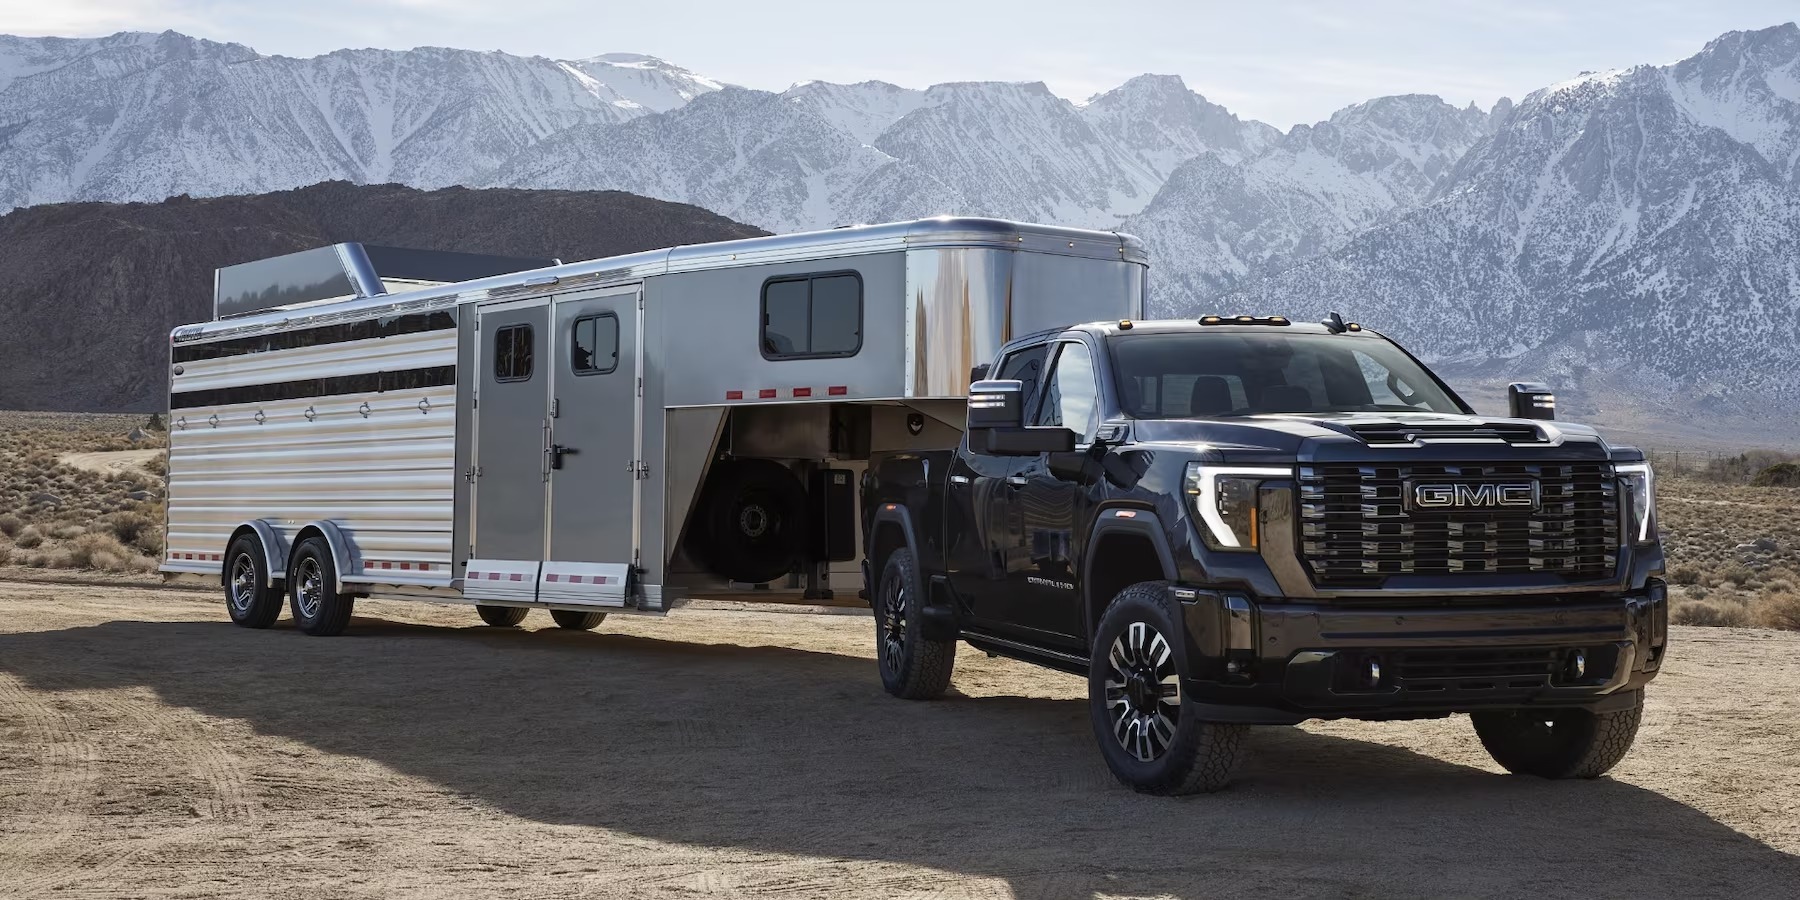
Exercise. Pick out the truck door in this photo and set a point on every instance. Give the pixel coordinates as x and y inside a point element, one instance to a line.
<point>989,544</point>
<point>511,425</point>
<point>1044,591</point>
<point>596,433</point>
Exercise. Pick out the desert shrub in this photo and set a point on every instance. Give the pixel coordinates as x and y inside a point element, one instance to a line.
<point>6,553</point>
<point>1783,474</point>
<point>29,537</point>
<point>1779,610</point>
<point>1706,612</point>
<point>128,527</point>
<point>10,525</point>
<point>158,465</point>
<point>1684,575</point>
<point>99,551</point>
<point>1742,576</point>
<point>54,559</point>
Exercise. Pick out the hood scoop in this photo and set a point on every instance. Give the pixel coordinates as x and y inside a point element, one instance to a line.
<point>1391,432</point>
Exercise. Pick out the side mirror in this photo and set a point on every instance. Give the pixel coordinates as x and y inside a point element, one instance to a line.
<point>1530,400</point>
<point>977,373</point>
<point>997,423</point>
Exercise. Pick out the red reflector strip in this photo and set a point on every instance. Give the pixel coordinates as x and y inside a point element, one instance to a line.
<point>838,390</point>
<point>766,394</point>
<point>734,395</point>
<point>802,392</point>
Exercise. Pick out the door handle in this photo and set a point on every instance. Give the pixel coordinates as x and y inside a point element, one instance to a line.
<point>557,452</point>
<point>1017,480</point>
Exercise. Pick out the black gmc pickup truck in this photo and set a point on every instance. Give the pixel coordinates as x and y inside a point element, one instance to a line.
<point>1247,521</point>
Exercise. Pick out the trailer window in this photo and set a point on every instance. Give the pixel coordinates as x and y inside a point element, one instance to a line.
<point>812,316</point>
<point>594,345</point>
<point>512,353</point>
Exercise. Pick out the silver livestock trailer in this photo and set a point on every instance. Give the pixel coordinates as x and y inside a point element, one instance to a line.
<point>619,434</point>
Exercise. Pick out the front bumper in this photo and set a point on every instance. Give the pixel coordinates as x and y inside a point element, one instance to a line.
<point>1278,662</point>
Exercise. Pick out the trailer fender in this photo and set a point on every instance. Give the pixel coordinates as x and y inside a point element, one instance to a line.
<point>1137,549</point>
<point>334,538</point>
<point>274,548</point>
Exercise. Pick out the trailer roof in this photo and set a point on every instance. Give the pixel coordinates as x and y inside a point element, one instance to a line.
<point>918,234</point>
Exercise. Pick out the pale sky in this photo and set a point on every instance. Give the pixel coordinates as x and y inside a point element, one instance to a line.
<point>1281,61</point>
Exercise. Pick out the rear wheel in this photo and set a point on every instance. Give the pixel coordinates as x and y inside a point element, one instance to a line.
<point>1559,743</point>
<point>249,599</point>
<point>913,666</point>
<point>1151,735</point>
<point>753,518</point>
<point>319,608</point>
<point>578,620</point>
<point>501,616</point>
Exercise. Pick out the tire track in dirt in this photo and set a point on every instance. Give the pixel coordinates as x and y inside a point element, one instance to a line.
<point>59,795</point>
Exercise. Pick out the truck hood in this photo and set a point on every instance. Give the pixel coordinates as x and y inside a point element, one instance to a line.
<point>1356,434</point>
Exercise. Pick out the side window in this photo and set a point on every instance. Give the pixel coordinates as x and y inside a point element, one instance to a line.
<point>512,353</point>
<point>812,316</point>
<point>1026,366</point>
<point>594,344</point>
<point>1072,396</point>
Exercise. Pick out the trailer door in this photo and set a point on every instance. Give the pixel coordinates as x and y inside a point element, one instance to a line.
<point>512,426</point>
<point>596,428</point>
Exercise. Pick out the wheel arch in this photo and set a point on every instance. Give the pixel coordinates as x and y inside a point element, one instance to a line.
<point>274,548</point>
<point>340,546</point>
<point>1126,546</point>
<point>890,530</point>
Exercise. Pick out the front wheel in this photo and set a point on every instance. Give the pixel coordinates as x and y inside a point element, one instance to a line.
<point>1559,743</point>
<point>319,608</point>
<point>1152,737</point>
<point>577,620</point>
<point>913,666</point>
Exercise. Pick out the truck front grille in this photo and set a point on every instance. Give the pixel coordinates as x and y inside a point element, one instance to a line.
<point>1358,524</point>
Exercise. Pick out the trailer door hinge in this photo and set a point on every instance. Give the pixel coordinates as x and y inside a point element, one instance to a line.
<point>556,408</point>
<point>471,473</point>
<point>639,469</point>
<point>640,388</point>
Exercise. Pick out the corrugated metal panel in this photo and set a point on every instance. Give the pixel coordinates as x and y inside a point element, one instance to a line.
<point>406,351</point>
<point>386,478</point>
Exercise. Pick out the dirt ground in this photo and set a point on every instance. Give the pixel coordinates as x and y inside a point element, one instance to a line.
<point>110,462</point>
<point>148,748</point>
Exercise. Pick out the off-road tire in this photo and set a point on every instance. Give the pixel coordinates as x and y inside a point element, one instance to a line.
<point>318,608</point>
<point>913,666</point>
<point>501,616</point>
<point>752,519</point>
<point>250,601</point>
<point>577,620</point>
<point>1559,743</point>
<point>1198,756</point>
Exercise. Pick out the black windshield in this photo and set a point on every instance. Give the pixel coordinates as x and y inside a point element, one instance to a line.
<point>1209,374</point>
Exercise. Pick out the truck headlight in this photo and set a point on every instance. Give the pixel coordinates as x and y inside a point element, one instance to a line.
<point>1638,484</point>
<point>1225,499</point>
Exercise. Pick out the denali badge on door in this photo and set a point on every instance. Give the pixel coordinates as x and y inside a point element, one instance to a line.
<point>1423,495</point>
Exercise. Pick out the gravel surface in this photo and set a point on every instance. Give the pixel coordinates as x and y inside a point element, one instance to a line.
<point>150,749</point>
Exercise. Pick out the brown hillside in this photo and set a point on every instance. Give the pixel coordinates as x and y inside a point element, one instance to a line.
<point>91,290</point>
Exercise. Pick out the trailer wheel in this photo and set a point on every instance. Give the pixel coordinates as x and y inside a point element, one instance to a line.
<point>576,619</point>
<point>753,516</point>
<point>1559,743</point>
<point>249,599</point>
<point>913,667</point>
<point>1152,737</point>
<point>501,616</point>
<point>313,595</point>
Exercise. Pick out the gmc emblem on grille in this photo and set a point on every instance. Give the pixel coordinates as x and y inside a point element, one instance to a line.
<point>1488,494</point>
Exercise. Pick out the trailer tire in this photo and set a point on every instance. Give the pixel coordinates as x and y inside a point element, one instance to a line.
<point>501,616</point>
<point>913,666</point>
<point>577,619</point>
<point>1559,743</point>
<point>249,599</point>
<point>318,607</point>
<point>1139,658</point>
<point>753,516</point>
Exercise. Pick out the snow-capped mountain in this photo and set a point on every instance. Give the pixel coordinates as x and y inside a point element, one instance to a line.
<point>863,110</point>
<point>143,117</point>
<point>1641,225</point>
<point>1225,220</point>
